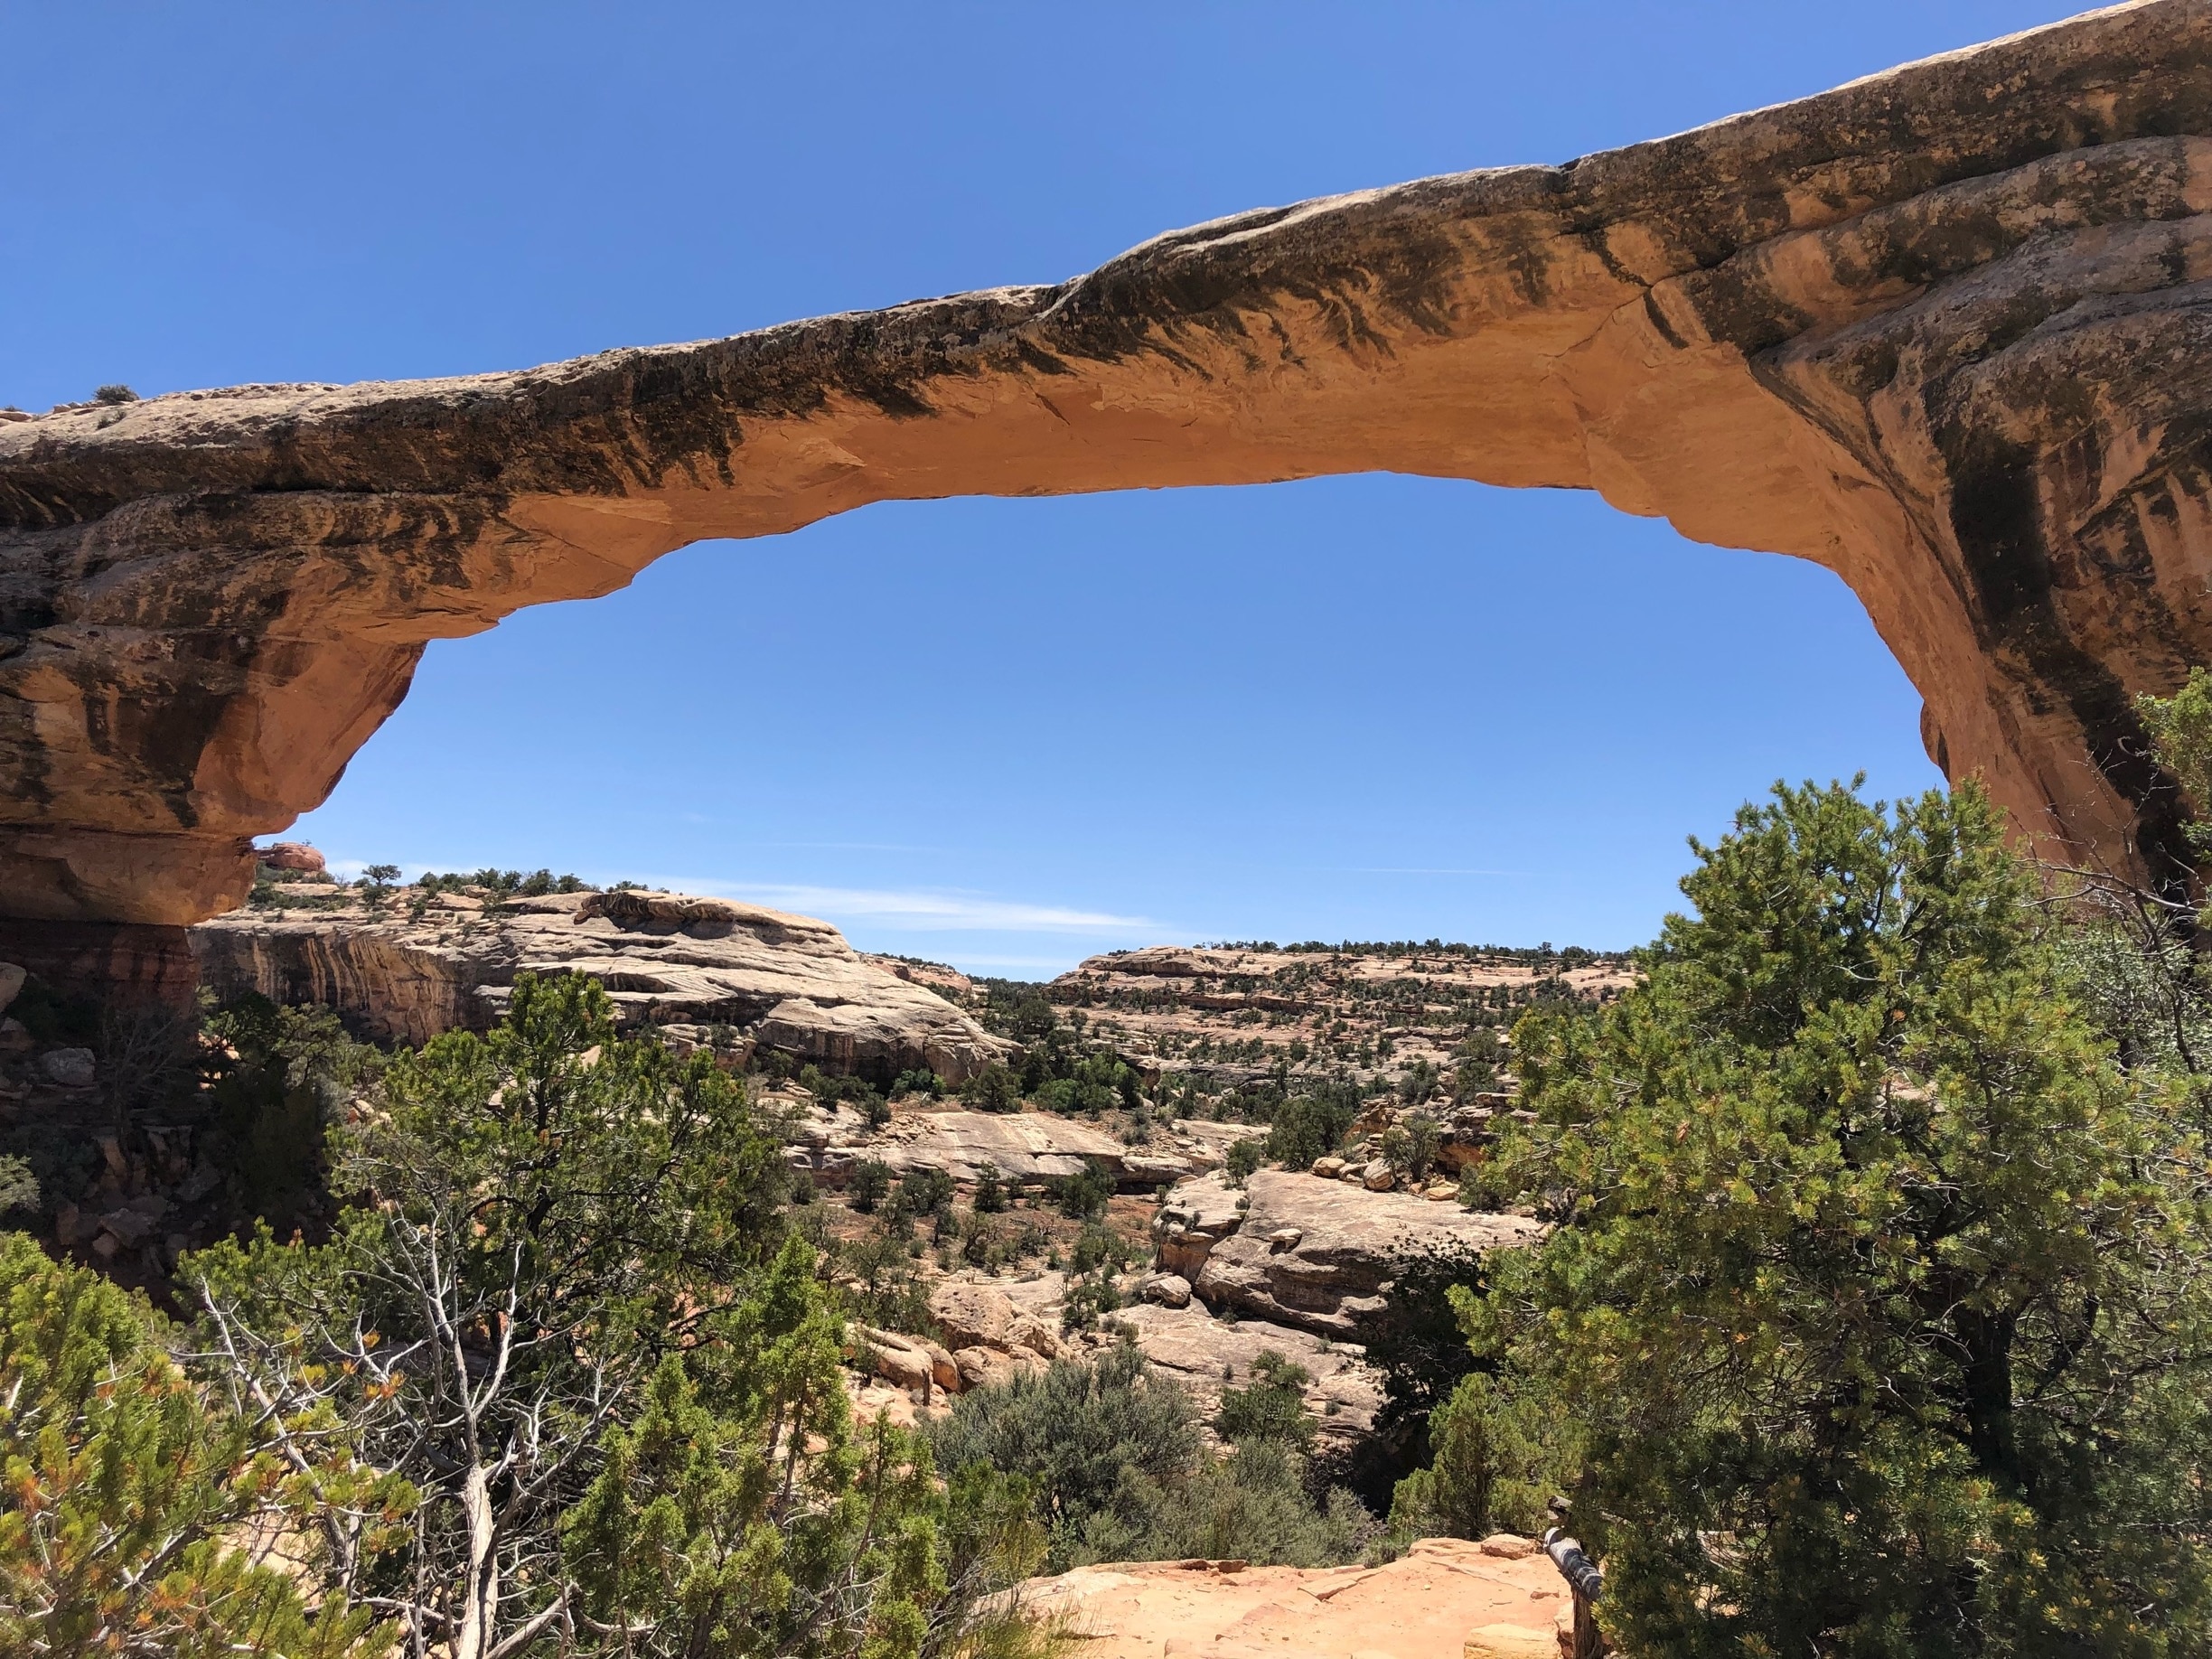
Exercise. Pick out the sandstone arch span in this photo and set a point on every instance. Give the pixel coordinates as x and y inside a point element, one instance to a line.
<point>1948,331</point>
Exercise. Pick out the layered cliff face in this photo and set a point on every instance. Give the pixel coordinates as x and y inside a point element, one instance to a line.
<point>720,972</point>
<point>1947,330</point>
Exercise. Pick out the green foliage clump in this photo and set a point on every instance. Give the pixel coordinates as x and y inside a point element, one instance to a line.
<point>129,1494</point>
<point>1312,1124</point>
<point>869,1184</point>
<point>994,1089</point>
<point>1083,1196</point>
<point>1118,1471</point>
<point>276,1079</point>
<point>1270,1407</point>
<point>924,1191</point>
<point>571,1317</point>
<point>1875,1316</point>
<point>991,1190</point>
<point>1241,1159</point>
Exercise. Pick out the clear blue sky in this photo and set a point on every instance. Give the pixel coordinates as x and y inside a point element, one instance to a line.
<point>1003,733</point>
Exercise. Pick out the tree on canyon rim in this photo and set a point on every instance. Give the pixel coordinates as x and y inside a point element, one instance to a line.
<point>1877,1317</point>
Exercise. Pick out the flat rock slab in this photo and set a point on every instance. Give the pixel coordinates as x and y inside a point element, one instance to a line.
<point>1206,1355</point>
<point>1310,1252</point>
<point>783,982</point>
<point>1022,1146</point>
<point>1443,1599</point>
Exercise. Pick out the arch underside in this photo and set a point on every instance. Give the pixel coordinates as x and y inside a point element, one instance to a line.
<point>1947,331</point>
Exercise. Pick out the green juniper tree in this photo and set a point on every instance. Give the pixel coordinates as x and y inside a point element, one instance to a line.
<point>1874,1320</point>
<point>568,1314</point>
<point>130,1504</point>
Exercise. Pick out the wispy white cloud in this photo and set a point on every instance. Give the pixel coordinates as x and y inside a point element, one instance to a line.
<point>920,910</point>
<point>917,910</point>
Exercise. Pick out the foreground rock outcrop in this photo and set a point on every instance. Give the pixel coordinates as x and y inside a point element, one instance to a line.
<point>1317,1255</point>
<point>720,972</point>
<point>1445,1598</point>
<point>1947,330</point>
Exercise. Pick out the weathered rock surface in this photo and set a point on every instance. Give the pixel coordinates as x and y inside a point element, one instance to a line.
<point>1188,1012</point>
<point>783,982</point>
<point>1022,1146</point>
<point>1444,1599</point>
<point>1947,330</point>
<point>975,1313</point>
<point>1206,1354</point>
<point>1309,1253</point>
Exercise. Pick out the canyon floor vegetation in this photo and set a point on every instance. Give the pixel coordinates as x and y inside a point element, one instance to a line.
<point>1871,1317</point>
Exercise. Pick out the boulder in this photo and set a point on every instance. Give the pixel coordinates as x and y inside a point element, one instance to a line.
<point>1378,1177</point>
<point>1169,1290</point>
<point>69,1068</point>
<point>987,1367</point>
<point>903,1361</point>
<point>11,981</point>
<point>296,857</point>
<point>1024,1146</point>
<point>1197,1215</point>
<point>975,1313</point>
<point>1348,1242</point>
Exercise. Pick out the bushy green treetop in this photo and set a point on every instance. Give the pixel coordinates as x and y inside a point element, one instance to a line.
<point>1874,1320</point>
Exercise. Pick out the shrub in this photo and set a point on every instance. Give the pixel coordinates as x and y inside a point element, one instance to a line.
<point>276,1084</point>
<point>1084,1196</point>
<point>990,1192</point>
<point>1099,1249</point>
<point>923,1190</point>
<point>1076,1432</point>
<point>128,1492</point>
<point>1241,1159</point>
<point>1085,1303</point>
<point>115,392</point>
<point>1118,1471</point>
<point>922,1083</point>
<point>648,1368</point>
<point>1271,1407</point>
<point>1311,1125</point>
<point>994,1089</point>
<point>869,1184</point>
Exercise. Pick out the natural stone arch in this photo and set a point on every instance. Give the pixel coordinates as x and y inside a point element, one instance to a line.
<point>1947,331</point>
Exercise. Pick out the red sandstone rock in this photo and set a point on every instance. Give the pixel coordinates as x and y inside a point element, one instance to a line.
<point>1942,331</point>
<point>292,856</point>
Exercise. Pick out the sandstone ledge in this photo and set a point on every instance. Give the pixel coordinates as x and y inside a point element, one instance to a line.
<point>783,982</point>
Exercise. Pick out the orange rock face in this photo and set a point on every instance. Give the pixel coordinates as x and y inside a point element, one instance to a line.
<point>1444,1599</point>
<point>1945,331</point>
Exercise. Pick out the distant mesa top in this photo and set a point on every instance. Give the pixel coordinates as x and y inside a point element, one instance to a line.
<point>1947,330</point>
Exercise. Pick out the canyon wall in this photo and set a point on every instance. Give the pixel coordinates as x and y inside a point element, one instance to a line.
<point>1947,330</point>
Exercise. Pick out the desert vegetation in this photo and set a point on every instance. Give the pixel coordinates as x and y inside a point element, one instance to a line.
<point>1869,1316</point>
